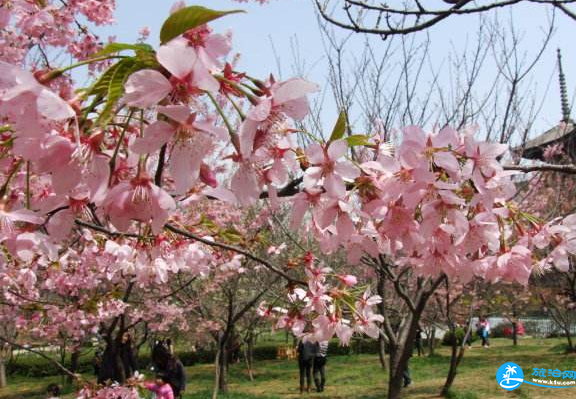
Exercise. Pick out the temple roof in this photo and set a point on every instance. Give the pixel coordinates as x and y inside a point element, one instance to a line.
<point>563,133</point>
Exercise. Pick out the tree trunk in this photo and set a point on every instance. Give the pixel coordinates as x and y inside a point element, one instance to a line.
<point>112,368</point>
<point>382,352</point>
<point>216,374</point>
<point>401,353</point>
<point>432,341</point>
<point>74,363</point>
<point>569,339</point>
<point>248,355</point>
<point>222,365</point>
<point>454,356</point>
<point>454,363</point>
<point>514,326</point>
<point>2,373</point>
<point>396,373</point>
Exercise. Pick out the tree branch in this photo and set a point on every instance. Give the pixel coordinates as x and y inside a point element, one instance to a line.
<point>233,248</point>
<point>55,362</point>
<point>568,169</point>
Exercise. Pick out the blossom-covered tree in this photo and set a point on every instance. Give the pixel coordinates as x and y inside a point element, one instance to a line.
<point>104,191</point>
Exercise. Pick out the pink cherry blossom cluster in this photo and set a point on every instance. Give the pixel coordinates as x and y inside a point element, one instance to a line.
<point>111,392</point>
<point>105,192</point>
<point>27,25</point>
<point>321,310</point>
<point>439,203</point>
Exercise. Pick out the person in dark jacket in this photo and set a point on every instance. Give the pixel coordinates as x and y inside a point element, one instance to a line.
<point>306,355</point>
<point>170,365</point>
<point>320,365</point>
<point>176,376</point>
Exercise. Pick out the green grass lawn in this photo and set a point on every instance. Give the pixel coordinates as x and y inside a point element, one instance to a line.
<point>360,376</point>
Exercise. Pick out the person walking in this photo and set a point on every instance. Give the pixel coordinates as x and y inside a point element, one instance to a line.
<point>484,331</point>
<point>320,365</point>
<point>306,355</point>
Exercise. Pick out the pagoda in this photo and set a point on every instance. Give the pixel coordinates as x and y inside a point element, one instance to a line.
<point>564,133</point>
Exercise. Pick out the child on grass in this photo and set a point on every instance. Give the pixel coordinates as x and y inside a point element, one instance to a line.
<point>160,387</point>
<point>53,391</point>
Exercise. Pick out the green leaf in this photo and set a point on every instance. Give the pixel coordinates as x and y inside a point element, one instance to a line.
<point>208,223</point>
<point>231,235</point>
<point>357,139</point>
<point>189,18</point>
<point>116,86</point>
<point>339,128</point>
<point>112,48</point>
<point>101,85</point>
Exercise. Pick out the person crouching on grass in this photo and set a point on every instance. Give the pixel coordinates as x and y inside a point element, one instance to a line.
<point>160,387</point>
<point>53,391</point>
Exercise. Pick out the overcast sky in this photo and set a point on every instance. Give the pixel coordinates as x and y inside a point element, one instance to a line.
<point>288,22</point>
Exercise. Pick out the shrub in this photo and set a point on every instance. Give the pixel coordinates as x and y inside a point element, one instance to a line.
<point>34,366</point>
<point>504,330</point>
<point>448,338</point>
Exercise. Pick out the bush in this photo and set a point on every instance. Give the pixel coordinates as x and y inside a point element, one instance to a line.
<point>34,366</point>
<point>448,338</point>
<point>498,331</point>
<point>504,330</point>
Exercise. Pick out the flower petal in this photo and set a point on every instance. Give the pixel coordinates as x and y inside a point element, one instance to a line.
<point>146,88</point>
<point>155,136</point>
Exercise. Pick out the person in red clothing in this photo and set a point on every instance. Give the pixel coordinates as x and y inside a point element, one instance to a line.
<point>160,387</point>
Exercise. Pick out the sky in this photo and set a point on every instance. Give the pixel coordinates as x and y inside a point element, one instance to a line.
<point>268,31</point>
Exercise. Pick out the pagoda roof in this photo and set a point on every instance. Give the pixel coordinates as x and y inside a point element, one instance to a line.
<point>534,149</point>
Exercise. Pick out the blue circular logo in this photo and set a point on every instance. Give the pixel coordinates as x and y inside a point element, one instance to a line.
<point>510,376</point>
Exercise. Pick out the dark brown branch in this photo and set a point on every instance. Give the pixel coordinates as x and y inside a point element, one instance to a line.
<point>421,17</point>
<point>288,190</point>
<point>177,290</point>
<point>103,230</point>
<point>51,360</point>
<point>195,237</point>
<point>160,168</point>
<point>233,248</point>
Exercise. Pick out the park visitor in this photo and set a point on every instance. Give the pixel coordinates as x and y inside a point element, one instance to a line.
<point>171,366</point>
<point>53,391</point>
<point>320,365</point>
<point>484,331</point>
<point>160,387</point>
<point>418,340</point>
<point>169,346</point>
<point>306,355</point>
<point>176,375</point>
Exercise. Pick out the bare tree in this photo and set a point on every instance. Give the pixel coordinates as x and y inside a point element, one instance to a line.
<point>386,19</point>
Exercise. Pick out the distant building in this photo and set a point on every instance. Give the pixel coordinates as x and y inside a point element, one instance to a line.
<point>564,133</point>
